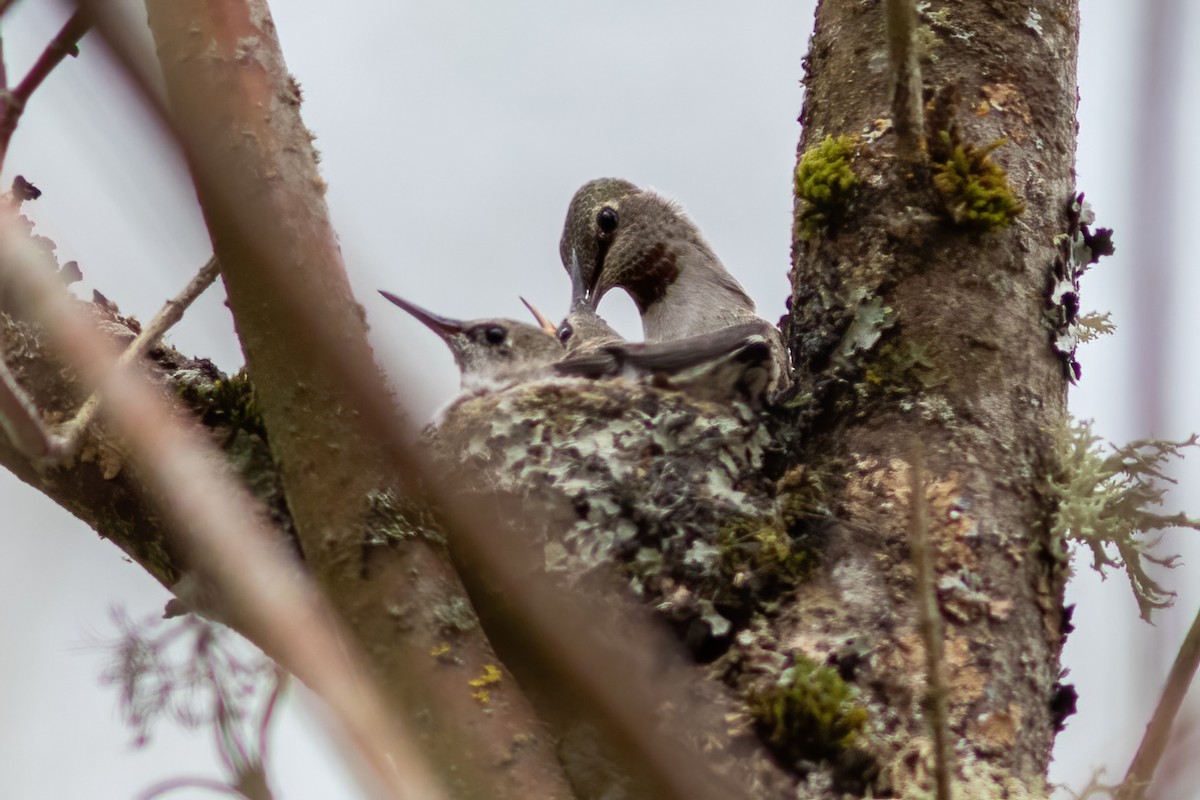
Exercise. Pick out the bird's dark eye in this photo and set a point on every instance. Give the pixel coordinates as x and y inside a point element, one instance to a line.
<point>495,334</point>
<point>565,332</point>
<point>607,219</point>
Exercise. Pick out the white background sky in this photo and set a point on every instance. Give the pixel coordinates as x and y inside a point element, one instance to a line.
<point>453,135</point>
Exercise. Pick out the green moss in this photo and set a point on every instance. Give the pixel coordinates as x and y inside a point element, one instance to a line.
<point>228,401</point>
<point>810,713</point>
<point>974,189</point>
<point>826,183</point>
<point>804,494</point>
<point>759,551</point>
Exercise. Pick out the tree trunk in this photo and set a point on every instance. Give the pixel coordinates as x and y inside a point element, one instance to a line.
<point>963,370</point>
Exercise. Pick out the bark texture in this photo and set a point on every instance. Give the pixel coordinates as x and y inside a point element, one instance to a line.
<point>920,329</point>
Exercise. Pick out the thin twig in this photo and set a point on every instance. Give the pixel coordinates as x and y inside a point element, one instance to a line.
<point>65,43</point>
<point>19,418</point>
<point>3,68</point>
<point>159,789</point>
<point>12,104</point>
<point>929,622</point>
<point>908,113</point>
<point>1158,732</point>
<point>172,311</point>
<point>223,532</point>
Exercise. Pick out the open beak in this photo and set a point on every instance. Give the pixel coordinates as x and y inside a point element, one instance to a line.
<point>442,326</point>
<point>548,326</point>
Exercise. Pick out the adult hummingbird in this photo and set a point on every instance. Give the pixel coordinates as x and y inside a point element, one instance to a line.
<point>719,366</point>
<point>618,235</point>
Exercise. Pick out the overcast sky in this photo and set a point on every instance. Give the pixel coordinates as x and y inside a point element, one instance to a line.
<point>453,134</point>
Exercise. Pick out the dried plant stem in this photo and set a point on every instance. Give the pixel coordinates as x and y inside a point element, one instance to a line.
<point>1158,732</point>
<point>908,117</point>
<point>224,535</point>
<point>929,621</point>
<point>73,431</point>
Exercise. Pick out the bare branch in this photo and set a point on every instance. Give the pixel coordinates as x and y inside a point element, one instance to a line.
<point>64,44</point>
<point>73,431</point>
<point>1158,732</point>
<point>228,542</point>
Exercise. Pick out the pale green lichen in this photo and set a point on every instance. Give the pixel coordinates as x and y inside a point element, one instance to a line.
<point>391,519</point>
<point>625,476</point>
<point>826,184</point>
<point>455,615</point>
<point>871,319</point>
<point>1106,500</point>
<point>809,713</point>
<point>1093,326</point>
<point>974,189</point>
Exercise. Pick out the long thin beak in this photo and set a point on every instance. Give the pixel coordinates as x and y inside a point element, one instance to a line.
<point>580,296</point>
<point>439,325</point>
<point>548,326</point>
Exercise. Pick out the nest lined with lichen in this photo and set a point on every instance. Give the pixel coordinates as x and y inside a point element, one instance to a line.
<point>666,489</point>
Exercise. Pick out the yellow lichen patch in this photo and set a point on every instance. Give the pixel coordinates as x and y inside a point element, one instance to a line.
<point>965,682</point>
<point>949,524</point>
<point>1007,99</point>
<point>439,650</point>
<point>490,677</point>
<point>877,485</point>
<point>908,659</point>
<point>996,731</point>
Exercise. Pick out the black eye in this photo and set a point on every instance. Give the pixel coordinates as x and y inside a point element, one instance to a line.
<point>607,219</point>
<point>565,332</point>
<point>495,334</point>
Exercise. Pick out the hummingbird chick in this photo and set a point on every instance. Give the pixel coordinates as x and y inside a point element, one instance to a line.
<point>497,354</point>
<point>618,235</point>
<point>492,354</point>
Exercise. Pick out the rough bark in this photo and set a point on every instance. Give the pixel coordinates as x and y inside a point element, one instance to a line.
<point>256,177</point>
<point>963,365</point>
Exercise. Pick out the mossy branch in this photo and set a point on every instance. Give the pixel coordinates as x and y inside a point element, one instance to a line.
<point>1105,501</point>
